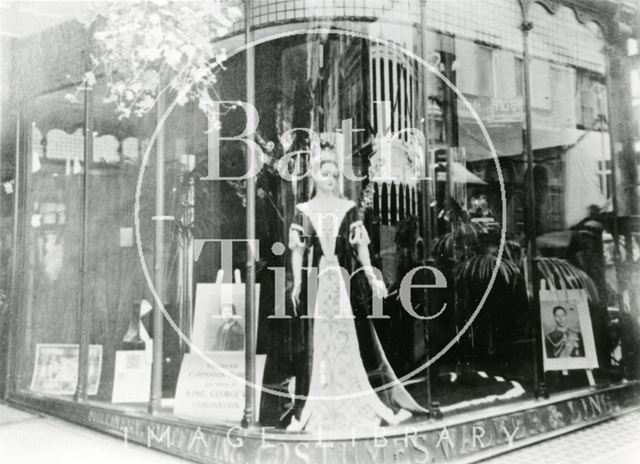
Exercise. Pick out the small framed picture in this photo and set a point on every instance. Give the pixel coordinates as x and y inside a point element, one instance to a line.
<point>567,332</point>
<point>55,370</point>
<point>219,316</point>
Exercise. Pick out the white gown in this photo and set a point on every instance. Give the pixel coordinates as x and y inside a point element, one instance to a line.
<point>340,395</point>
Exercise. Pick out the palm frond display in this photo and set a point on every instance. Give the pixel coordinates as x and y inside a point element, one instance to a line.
<point>472,254</point>
<point>475,272</point>
<point>563,275</point>
<point>459,244</point>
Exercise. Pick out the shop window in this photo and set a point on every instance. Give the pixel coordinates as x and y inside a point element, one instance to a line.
<point>117,283</point>
<point>540,85</point>
<point>563,101</point>
<point>47,351</point>
<point>604,178</point>
<point>60,145</point>
<point>465,223</point>
<point>592,100</point>
<point>132,147</point>
<point>501,112</point>
<point>571,141</point>
<point>105,149</point>
<point>519,76</point>
<point>474,69</point>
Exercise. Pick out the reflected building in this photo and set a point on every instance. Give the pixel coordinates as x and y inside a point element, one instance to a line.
<point>527,116</point>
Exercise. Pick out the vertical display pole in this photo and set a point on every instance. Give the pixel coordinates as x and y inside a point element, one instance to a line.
<point>155,400</point>
<point>189,260</point>
<point>84,316</point>
<point>248,419</point>
<point>426,193</point>
<point>13,312</point>
<point>615,227</point>
<point>532,251</point>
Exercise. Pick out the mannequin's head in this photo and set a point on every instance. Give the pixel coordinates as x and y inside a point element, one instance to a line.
<point>325,172</point>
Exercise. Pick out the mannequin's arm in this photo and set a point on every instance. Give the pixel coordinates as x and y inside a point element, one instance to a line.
<point>297,249</point>
<point>360,239</point>
<point>365,259</point>
<point>296,265</point>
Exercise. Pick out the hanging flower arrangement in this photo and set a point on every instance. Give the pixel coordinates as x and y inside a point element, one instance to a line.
<point>148,48</point>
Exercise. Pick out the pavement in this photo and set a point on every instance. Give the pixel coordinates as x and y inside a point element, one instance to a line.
<point>616,441</point>
<point>31,438</point>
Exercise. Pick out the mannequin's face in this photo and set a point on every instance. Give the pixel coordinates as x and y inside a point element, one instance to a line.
<point>326,178</point>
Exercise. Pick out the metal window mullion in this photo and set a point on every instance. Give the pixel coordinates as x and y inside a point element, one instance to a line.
<point>249,415</point>
<point>532,269</point>
<point>10,374</point>
<point>155,398</point>
<point>84,317</point>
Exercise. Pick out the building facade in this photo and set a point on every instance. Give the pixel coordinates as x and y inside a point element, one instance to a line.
<point>518,118</point>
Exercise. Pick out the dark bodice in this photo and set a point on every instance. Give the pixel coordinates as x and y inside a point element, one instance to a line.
<point>313,251</point>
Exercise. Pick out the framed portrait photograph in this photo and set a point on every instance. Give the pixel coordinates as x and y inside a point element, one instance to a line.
<point>567,332</point>
<point>219,319</point>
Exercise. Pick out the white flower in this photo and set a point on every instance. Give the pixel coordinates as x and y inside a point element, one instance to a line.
<point>118,87</point>
<point>234,12</point>
<point>221,56</point>
<point>138,40</point>
<point>90,78</point>
<point>150,79</point>
<point>150,53</point>
<point>189,50</point>
<point>173,57</point>
<point>146,103</point>
<point>182,98</point>
<point>199,73</point>
<point>123,110</point>
<point>72,98</point>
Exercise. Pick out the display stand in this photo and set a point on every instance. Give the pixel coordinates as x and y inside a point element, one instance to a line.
<point>132,371</point>
<point>211,383</point>
<point>210,299</point>
<point>568,337</point>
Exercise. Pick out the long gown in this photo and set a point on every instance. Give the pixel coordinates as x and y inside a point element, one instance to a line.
<point>339,360</point>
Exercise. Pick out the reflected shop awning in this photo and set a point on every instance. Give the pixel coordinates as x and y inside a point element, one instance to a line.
<point>461,175</point>
<point>507,139</point>
<point>406,161</point>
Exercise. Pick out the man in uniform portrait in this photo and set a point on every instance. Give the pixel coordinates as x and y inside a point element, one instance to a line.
<point>562,341</point>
